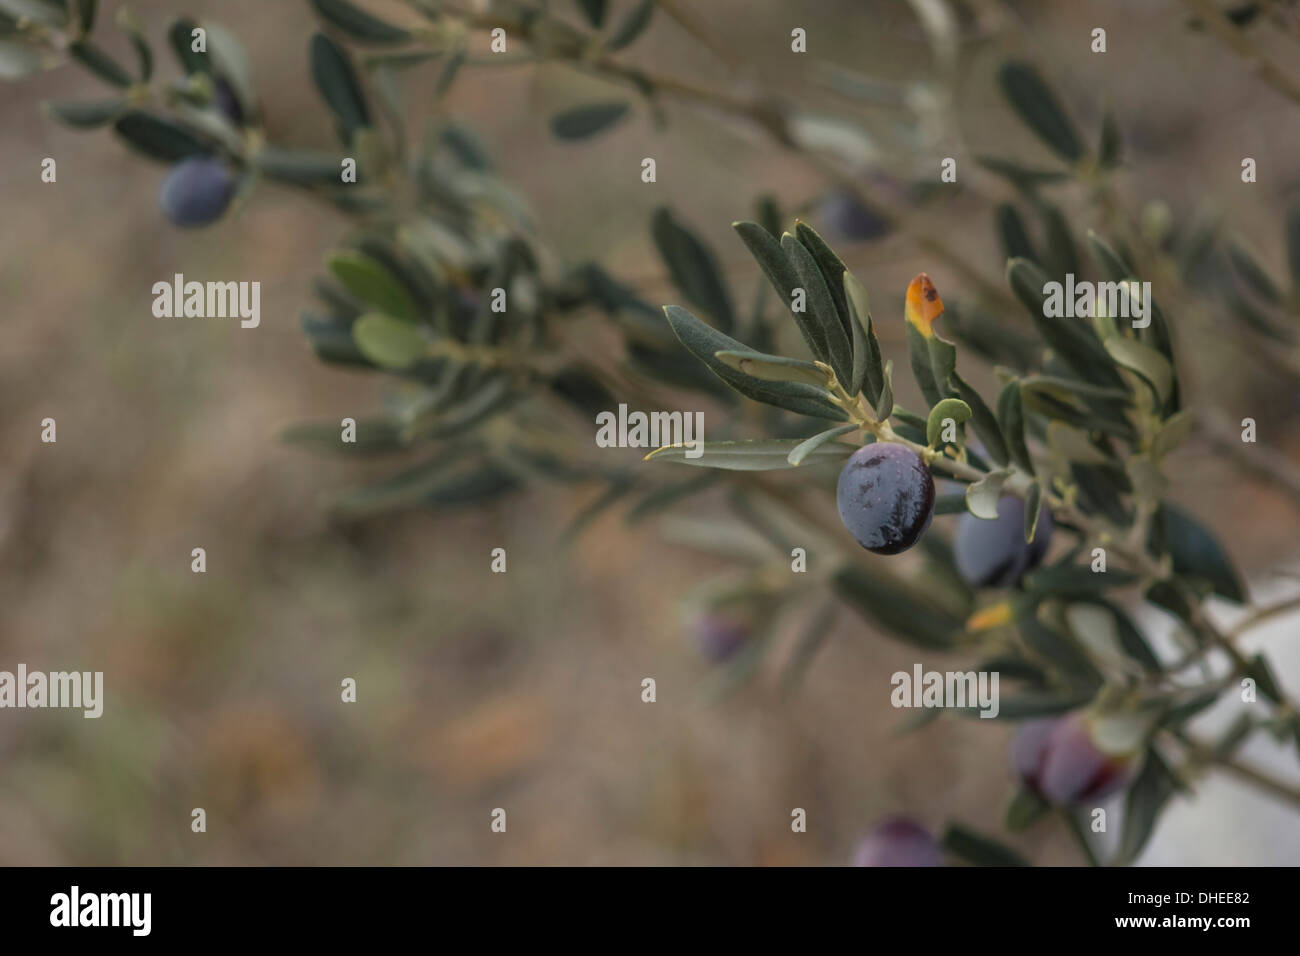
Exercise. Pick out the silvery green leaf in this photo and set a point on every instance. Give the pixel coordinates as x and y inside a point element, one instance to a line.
<point>982,497</point>
<point>337,82</point>
<point>705,342</point>
<point>1038,106</point>
<point>581,122</point>
<point>1147,362</point>
<point>807,447</point>
<point>84,114</point>
<point>885,404</point>
<point>774,368</point>
<point>93,58</point>
<point>983,420</point>
<point>693,268</point>
<point>821,304</point>
<point>158,138</point>
<point>1011,421</point>
<point>759,454</point>
<point>780,271</point>
<point>868,376</point>
<point>1033,503</point>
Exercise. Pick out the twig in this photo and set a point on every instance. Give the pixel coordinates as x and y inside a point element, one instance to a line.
<point>1244,46</point>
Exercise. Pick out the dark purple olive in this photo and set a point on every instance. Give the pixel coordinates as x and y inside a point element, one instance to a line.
<point>886,497</point>
<point>197,191</point>
<point>843,215</point>
<point>720,634</point>
<point>898,841</point>
<point>1058,759</point>
<point>993,553</point>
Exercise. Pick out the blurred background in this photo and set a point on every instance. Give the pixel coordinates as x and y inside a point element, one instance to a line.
<point>522,691</point>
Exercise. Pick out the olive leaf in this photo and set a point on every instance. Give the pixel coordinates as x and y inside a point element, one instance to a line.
<point>783,276</point>
<point>337,82</point>
<point>1147,362</point>
<point>982,496</point>
<point>821,304</point>
<point>372,283</point>
<point>359,24</point>
<point>581,122</point>
<point>1011,420</point>
<point>705,342</point>
<point>758,454</point>
<point>774,368</point>
<point>389,342</point>
<point>977,849</point>
<point>693,268</point>
<point>868,377</point>
<point>950,408</point>
<point>1027,91</point>
<point>807,447</point>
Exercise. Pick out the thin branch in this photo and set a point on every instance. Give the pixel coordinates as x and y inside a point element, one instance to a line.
<point>1244,46</point>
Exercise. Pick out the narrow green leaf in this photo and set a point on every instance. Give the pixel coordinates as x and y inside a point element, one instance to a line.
<point>982,497</point>
<point>832,268</point>
<point>373,437</point>
<point>867,373</point>
<point>1011,420</point>
<point>693,268</point>
<point>1022,177</point>
<point>983,420</point>
<point>181,37</point>
<point>806,448</point>
<point>705,342</point>
<point>977,849</point>
<point>1072,341</point>
<point>885,404</point>
<point>891,604</point>
<point>1015,240</point>
<point>157,138</point>
<point>587,120</point>
<point>1147,362</point>
<point>359,24</point>
<point>774,368</point>
<point>1073,580</point>
<point>85,115</point>
<point>759,454</point>
<point>1033,504</point>
<point>918,353</point>
<point>821,304</point>
<point>1146,799</point>
<point>1198,553</point>
<point>631,26</point>
<point>100,63</point>
<point>337,82</point>
<point>767,252</point>
<point>1038,106</point>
